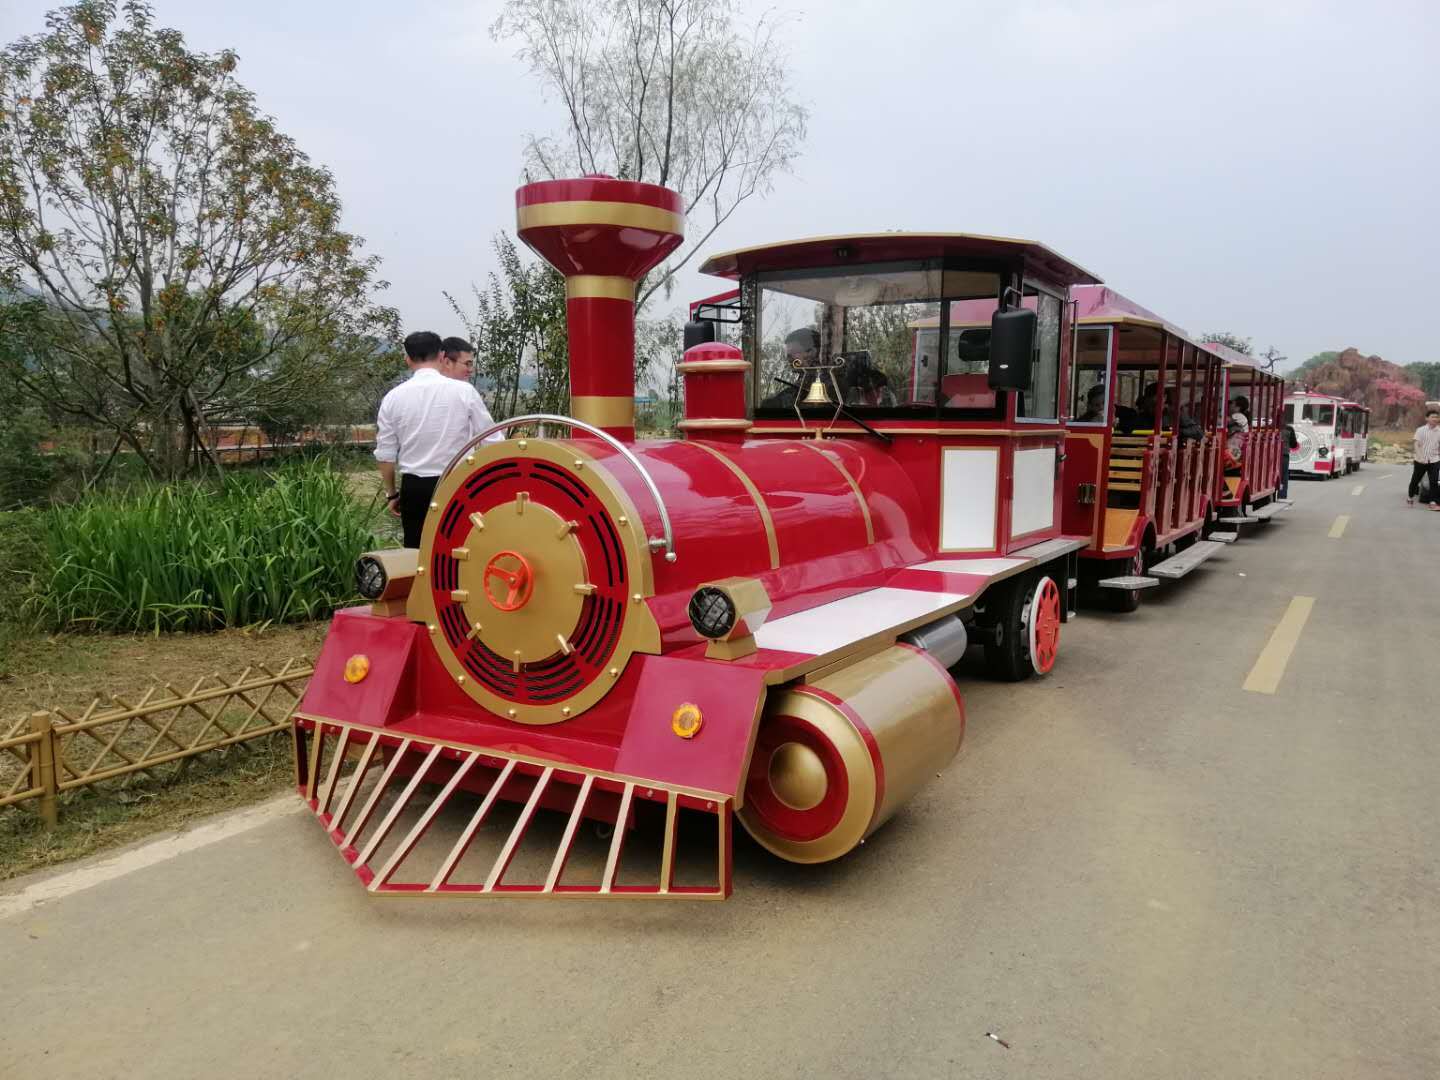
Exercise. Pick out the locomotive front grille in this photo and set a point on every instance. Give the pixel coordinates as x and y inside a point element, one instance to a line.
<point>400,818</point>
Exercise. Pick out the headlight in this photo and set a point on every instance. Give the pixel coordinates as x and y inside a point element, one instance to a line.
<point>386,575</point>
<point>712,612</point>
<point>370,577</point>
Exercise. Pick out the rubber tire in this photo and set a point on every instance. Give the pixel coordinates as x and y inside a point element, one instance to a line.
<point>1125,601</point>
<point>1009,660</point>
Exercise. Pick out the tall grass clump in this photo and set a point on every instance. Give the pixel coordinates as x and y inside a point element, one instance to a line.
<point>276,547</point>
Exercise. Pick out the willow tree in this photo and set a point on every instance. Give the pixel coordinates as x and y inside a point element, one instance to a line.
<point>184,255</point>
<point>670,92</point>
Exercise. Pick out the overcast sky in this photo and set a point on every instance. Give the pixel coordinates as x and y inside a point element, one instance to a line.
<point>1269,169</point>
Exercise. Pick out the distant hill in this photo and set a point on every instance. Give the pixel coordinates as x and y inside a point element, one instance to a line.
<point>1394,396</point>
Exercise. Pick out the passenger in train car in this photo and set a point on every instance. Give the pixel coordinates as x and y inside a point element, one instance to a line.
<point>1235,431</point>
<point>1189,428</point>
<point>1142,417</point>
<point>1094,411</point>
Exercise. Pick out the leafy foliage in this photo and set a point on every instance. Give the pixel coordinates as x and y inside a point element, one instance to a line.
<point>518,329</point>
<point>1394,399</point>
<point>1300,373</point>
<point>277,547</point>
<point>668,92</point>
<point>522,341</point>
<point>183,256</point>
<point>1428,378</point>
<point>1234,341</point>
<point>26,474</point>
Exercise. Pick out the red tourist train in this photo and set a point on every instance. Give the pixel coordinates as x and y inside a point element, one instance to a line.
<point>757,620</point>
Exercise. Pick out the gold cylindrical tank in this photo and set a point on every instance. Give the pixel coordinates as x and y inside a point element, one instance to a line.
<point>834,759</point>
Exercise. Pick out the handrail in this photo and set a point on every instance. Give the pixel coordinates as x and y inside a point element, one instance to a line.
<point>667,542</point>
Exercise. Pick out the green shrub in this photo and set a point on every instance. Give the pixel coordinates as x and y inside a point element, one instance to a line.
<point>272,547</point>
<point>25,473</point>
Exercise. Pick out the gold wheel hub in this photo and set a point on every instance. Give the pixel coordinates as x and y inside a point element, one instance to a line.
<point>542,625</point>
<point>797,776</point>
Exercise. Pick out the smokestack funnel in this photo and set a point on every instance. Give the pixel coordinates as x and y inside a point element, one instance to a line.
<point>603,235</point>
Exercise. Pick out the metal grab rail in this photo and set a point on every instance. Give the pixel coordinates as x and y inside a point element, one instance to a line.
<point>667,542</point>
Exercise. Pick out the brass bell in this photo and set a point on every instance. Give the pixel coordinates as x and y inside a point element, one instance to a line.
<point>818,394</point>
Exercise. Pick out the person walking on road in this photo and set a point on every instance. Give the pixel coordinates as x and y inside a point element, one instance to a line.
<point>1292,443</point>
<point>1427,459</point>
<point>422,424</point>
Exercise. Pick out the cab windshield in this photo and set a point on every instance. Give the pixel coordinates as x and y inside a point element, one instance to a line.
<point>873,338</point>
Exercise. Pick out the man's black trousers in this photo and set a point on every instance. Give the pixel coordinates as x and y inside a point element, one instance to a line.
<point>415,495</point>
<point>1417,471</point>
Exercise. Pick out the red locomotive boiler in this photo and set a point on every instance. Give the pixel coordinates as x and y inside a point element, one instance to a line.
<point>754,621</point>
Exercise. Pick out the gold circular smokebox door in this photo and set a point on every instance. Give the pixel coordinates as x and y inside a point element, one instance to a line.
<point>552,561</point>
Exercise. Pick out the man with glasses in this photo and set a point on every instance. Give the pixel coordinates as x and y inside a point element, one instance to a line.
<point>459,356</point>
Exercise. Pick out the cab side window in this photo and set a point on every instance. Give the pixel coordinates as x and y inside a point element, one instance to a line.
<point>1042,400</point>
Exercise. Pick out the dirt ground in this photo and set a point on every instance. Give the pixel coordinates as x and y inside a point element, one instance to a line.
<point>68,670</point>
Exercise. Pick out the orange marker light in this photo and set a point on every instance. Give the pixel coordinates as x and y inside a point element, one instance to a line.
<point>357,667</point>
<point>686,720</point>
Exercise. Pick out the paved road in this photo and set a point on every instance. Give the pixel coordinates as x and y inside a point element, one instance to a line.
<point>1135,869</point>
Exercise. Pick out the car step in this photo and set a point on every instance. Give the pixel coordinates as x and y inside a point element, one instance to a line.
<point>1224,537</point>
<point>1269,510</point>
<point>1177,566</point>
<point>1129,582</point>
<point>1238,520</point>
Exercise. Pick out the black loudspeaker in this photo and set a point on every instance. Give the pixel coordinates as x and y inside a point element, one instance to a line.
<point>698,332</point>
<point>1012,348</point>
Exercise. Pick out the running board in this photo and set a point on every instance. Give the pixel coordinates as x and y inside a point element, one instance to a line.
<point>1177,566</point>
<point>1269,510</point>
<point>399,776</point>
<point>1238,520</point>
<point>1224,537</point>
<point>1129,582</point>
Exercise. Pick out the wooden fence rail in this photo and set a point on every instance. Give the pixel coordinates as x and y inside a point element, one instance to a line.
<point>47,753</point>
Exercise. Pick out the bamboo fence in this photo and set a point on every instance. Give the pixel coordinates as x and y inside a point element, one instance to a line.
<point>46,754</point>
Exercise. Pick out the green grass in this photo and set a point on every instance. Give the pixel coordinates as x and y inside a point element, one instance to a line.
<point>277,546</point>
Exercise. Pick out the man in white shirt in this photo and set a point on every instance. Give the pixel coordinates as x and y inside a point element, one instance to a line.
<point>1427,459</point>
<point>423,423</point>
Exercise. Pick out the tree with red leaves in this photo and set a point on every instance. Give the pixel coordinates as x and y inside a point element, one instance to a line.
<point>1390,392</point>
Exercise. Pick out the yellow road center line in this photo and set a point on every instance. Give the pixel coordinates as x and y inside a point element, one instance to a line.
<point>1338,529</point>
<point>1357,489</point>
<point>1269,668</point>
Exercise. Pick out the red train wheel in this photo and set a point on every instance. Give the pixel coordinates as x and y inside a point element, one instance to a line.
<point>1044,626</point>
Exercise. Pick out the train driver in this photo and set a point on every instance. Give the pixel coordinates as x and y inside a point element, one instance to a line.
<point>864,383</point>
<point>802,355</point>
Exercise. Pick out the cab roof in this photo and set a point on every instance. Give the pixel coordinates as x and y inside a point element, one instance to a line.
<point>817,252</point>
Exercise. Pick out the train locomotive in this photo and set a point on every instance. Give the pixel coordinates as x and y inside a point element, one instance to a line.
<point>755,621</point>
